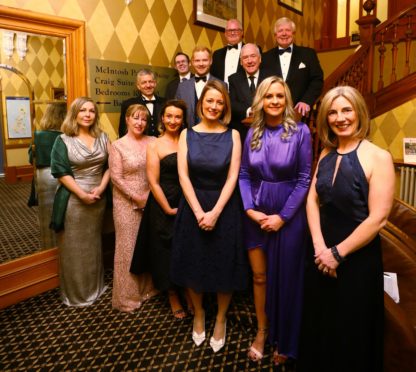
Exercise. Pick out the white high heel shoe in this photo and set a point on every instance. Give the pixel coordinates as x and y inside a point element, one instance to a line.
<point>198,338</point>
<point>217,345</point>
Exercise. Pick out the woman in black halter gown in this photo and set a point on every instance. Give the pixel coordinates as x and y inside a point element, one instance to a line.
<point>349,201</point>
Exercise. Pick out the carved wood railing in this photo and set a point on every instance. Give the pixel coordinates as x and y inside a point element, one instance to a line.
<point>382,68</point>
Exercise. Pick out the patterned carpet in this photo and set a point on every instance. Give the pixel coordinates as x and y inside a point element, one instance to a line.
<point>19,227</point>
<point>42,334</point>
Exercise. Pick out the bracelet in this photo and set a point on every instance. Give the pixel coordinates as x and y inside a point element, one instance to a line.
<point>337,256</point>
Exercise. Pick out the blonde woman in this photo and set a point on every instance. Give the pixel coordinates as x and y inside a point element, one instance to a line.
<point>79,161</point>
<point>274,181</point>
<point>130,192</point>
<point>40,156</point>
<point>348,204</point>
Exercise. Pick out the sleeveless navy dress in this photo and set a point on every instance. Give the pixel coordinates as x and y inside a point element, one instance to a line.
<point>343,321</point>
<point>209,261</point>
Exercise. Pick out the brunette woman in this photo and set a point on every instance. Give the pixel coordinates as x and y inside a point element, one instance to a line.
<point>153,247</point>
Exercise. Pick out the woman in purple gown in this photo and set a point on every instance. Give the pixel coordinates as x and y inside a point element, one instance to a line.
<point>274,181</point>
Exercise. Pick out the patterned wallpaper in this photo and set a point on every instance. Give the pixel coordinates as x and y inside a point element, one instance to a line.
<point>43,66</point>
<point>389,129</point>
<point>152,31</point>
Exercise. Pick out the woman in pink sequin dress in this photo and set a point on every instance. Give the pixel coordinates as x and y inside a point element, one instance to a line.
<point>130,192</point>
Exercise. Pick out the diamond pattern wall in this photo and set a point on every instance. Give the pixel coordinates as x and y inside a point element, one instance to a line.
<point>389,129</point>
<point>44,68</point>
<point>152,31</point>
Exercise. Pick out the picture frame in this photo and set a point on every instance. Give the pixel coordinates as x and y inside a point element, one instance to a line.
<point>293,5</point>
<point>215,13</point>
<point>409,150</point>
<point>19,123</point>
<point>58,94</point>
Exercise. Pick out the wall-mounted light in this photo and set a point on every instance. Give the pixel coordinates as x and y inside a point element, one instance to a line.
<point>8,38</point>
<point>128,2</point>
<point>21,47</point>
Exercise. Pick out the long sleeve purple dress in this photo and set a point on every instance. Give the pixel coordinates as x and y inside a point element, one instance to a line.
<point>275,180</point>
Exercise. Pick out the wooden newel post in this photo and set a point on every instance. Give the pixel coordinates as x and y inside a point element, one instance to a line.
<point>367,25</point>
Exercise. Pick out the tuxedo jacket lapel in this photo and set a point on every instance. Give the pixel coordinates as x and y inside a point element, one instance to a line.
<point>245,89</point>
<point>278,66</point>
<point>294,63</point>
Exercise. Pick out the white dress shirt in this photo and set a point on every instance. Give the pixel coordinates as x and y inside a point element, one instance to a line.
<point>285,62</point>
<point>256,83</point>
<point>200,85</point>
<point>185,77</point>
<point>232,60</point>
<point>150,106</point>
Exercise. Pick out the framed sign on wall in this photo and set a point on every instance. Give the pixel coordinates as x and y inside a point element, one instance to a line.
<point>18,117</point>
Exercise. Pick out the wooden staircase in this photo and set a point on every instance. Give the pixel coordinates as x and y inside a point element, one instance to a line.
<point>382,68</point>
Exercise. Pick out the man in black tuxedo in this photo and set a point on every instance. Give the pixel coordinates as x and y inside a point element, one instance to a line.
<point>226,61</point>
<point>183,67</point>
<point>243,84</point>
<point>146,85</point>
<point>190,90</point>
<point>298,66</point>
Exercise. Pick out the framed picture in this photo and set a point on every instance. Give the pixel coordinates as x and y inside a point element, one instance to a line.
<point>58,94</point>
<point>294,5</point>
<point>18,117</point>
<point>215,13</point>
<point>409,150</point>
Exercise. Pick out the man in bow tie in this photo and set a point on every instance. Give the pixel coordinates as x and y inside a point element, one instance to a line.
<point>190,90</point>
<point>146,85</point>
<point>225,61</point>
<point>298,66</point>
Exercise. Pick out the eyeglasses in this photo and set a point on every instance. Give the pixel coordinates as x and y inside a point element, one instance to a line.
<point>234,30</point>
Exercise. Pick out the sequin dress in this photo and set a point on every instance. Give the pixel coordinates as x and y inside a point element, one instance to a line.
<point>128,175</point>
<point>81,270</point>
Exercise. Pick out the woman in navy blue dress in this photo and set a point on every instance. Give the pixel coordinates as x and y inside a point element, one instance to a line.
<point>274,182</point>
<point>349,201</point>
<point>207,252</point>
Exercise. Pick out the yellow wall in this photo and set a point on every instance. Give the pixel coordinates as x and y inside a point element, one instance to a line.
<point>152,31</point>
<point>389,129</point>
<point>43,66</point>
<point>332,59</point>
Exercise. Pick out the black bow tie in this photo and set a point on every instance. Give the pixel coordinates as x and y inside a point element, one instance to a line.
<point>198,78</point>
<point>232,47</point>
<point>288,49</point>
<point>146,101</point>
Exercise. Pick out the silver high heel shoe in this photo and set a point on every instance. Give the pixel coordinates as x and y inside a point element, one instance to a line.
<point>217,345</point>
